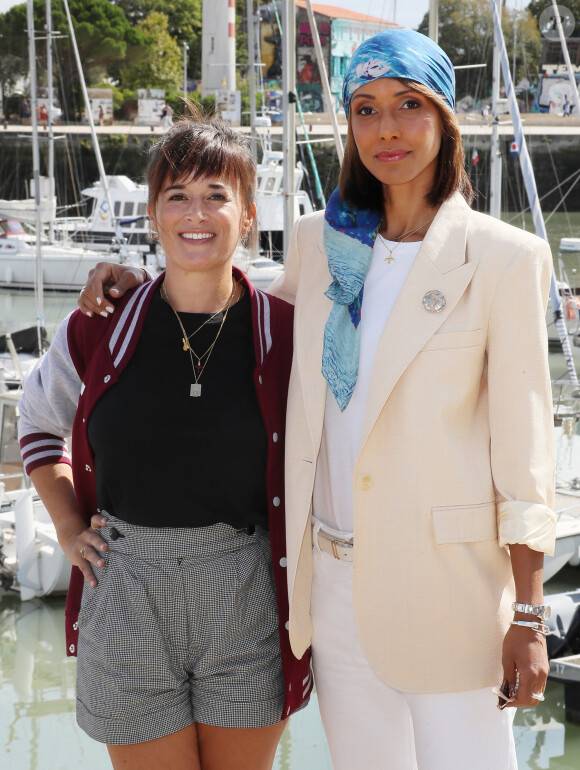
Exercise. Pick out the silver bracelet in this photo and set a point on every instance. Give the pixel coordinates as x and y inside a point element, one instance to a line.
<point>540,628</point>
<point>541,611</point>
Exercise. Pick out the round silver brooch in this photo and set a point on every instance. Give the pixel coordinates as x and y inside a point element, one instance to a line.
<point>434,301</point>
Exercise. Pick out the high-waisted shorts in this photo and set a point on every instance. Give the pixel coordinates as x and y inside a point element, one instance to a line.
<point>182,628</point>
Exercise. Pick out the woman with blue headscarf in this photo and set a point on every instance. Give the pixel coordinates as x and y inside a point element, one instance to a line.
<point>419,471</point>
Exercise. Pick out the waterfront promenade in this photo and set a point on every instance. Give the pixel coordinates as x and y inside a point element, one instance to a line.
<point>318,127</point>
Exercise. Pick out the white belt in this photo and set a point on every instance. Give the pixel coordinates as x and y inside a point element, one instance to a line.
<point>340,549</point>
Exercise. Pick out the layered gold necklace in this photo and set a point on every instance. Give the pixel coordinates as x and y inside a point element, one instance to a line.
<point>401,239</point>
<point>198,369</point>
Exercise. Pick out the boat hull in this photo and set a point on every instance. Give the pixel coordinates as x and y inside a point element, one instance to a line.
<point>60,272</point>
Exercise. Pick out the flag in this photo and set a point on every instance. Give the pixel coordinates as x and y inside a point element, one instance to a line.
<point>475,156</point>
<point>514,150</point>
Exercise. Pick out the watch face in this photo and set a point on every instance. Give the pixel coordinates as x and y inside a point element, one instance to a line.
<point>547,612</point>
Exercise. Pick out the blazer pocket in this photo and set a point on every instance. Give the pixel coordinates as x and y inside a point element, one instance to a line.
<point>465,523</point>
<point>452,340</point>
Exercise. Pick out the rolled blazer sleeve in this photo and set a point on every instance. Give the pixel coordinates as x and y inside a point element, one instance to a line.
<point>520,401</point>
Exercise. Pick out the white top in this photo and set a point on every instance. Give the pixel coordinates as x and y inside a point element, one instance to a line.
<point>333,485</point>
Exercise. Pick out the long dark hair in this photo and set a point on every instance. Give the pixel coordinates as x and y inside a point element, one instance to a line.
<point>358,187</point>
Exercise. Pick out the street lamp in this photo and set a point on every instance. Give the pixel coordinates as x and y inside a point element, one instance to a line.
<point>185,50</point>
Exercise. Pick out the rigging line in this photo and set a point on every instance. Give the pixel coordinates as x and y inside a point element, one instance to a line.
<point>517,194</point>
<point>549,192</point>
<point>562,199</point>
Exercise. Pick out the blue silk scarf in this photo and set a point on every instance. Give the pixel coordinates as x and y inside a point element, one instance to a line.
<point>349,233</point>
<point>349,236</point>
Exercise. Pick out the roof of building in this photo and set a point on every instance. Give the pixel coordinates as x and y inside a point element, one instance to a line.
<point>334,12</point>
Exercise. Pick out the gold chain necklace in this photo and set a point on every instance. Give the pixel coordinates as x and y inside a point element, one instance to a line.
<point>195,387</point>
<point>230,302</point>
<point>186,337</point>
<point>401,240</point>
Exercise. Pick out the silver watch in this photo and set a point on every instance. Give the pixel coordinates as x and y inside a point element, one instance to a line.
<point>541,611</point>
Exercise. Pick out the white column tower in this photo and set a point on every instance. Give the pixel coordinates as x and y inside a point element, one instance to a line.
<point>218,46</point>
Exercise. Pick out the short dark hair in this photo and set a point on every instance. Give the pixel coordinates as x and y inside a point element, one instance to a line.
<point>200,146</point>
<point>358,187</point>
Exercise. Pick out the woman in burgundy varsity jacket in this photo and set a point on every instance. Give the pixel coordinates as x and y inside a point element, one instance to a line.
<point>171,508</point>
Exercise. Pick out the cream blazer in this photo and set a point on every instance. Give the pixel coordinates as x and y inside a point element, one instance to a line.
<point>456,454</point>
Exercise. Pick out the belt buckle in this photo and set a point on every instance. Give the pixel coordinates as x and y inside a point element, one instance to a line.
<point>336,542</point>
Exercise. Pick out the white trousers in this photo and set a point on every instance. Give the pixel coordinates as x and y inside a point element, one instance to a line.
<point>370,726</point>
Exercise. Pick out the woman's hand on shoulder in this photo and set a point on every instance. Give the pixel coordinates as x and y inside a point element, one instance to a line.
<point>525,653</point>
<point>84,548</point>
<point>107,278</point>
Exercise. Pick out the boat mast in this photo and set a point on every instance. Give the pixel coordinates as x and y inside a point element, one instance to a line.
<point>433,20</point>
<point>495,152</point>
<point>571,76</point>
<point>531,189</point>
<point>38,284</point>
<point>324,81</point>
<point>252,74</point>
<point>288,34</point>
<point>49,116</point>
<point>115,224</point>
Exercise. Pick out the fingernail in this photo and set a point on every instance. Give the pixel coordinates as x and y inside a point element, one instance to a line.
<point>114,289</point>
<point>104,314</point>
<point>109,308</point>
<point>101,563</point>
<point>99,300</point>
<point>89,313</point>
<point>93,583</point>
<point>103,546</point>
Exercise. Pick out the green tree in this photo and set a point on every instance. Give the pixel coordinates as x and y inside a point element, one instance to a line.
<point>11,69</point>
<point>535,7</point>
<point>466,35</point>
<point>103,34</point>
<point>162,67</point>
<point>184,24</point>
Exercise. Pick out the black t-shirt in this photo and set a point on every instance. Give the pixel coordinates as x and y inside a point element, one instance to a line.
<point>164,458</point>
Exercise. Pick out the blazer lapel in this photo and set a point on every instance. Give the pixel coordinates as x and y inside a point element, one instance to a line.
<point>439,265</point>
<point>311,313</point>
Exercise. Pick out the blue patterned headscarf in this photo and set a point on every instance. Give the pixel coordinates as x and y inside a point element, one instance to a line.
<point>349,233</point>
<point>400,53</point>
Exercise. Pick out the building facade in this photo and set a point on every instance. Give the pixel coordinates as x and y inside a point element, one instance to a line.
<point>340,31</point>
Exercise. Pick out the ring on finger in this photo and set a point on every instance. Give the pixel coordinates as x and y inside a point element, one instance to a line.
<point>82,553</point>
<point>538,696</point>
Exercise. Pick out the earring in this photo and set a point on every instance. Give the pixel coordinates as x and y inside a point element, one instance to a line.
<point>153,235</point>
<point>245,238</point>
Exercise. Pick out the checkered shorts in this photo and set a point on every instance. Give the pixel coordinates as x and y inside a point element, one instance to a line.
<point>181,628</point>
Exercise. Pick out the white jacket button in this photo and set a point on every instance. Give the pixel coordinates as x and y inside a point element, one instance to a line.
<point>276,501</point>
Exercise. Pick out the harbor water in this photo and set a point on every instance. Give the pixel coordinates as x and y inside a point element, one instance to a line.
<point>38,730</point>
